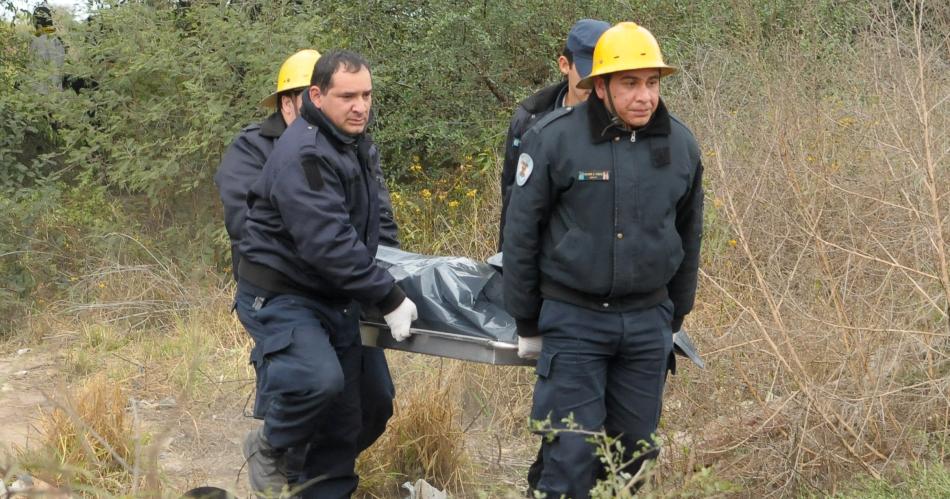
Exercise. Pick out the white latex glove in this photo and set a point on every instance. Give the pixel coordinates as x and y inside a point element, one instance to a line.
<point>529,348</point>
<point>400,319</point>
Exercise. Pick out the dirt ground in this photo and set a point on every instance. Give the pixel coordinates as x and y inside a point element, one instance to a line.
<point>200,444</point>
<point>197,448</point>
<point>24,375</point>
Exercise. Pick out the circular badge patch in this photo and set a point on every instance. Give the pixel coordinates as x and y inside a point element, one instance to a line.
<point>525,167</point>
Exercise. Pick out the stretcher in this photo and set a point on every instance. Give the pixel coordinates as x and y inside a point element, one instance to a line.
<point>482,350</point>
<point>461,311</point>
<point>442,344</point>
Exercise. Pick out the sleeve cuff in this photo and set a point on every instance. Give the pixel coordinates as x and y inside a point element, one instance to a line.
<point>527,327</point>
<point>677,323</point>
<point>392,300</point>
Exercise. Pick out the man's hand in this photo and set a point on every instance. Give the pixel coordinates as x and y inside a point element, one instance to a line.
<point>400,319</point>
<point>529,347</point>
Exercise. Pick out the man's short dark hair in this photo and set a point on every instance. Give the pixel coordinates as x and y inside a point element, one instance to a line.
<point>332,61</point>
<point>568,55</point>
<point>293,93</point>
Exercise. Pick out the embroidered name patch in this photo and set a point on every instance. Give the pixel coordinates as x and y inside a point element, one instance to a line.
<point>593,176</point>
<point>525,167</point>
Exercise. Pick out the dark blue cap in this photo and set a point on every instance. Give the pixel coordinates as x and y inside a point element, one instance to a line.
<point>581,41</point>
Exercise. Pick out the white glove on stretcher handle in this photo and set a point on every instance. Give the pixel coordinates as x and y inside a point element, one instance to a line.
<point>400,319</point>
<point>529,347</point>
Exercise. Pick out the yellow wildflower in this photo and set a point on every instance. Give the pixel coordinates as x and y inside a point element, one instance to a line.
<point>453,204</point>
<point>733,243</point>
<point>426,193</point>
<point>471,193</point>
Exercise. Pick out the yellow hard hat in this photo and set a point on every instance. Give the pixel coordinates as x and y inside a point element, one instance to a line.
<point>294,73</point>
<point>623,47</point>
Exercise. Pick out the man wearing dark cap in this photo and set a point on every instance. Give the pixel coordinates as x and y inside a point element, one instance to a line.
<point>574,63</point>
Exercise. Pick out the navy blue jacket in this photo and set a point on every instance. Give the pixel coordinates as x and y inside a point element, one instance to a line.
<point>314,217</point>
<point>606,218</point>
<point>242,165</point>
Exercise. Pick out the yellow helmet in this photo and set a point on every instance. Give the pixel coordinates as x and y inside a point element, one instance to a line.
<point>295,72</point>
<point>623,47</point>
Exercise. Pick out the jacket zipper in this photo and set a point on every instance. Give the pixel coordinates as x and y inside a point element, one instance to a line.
<point>613,237</point>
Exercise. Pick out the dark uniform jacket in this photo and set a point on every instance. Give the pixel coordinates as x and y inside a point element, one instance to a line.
<point>607,219</point>
<point>316,216</point>
<point>240,167</point>
<point>528,112</point>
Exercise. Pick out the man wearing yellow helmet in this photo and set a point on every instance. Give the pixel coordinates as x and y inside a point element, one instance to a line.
<point>241,166</point>
<point>243,161</point>
<point>601,255</point>
<point>49,53</point>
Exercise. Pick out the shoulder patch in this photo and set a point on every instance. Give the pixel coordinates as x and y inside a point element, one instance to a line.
<point>524,169</point>
<point>311,170</point>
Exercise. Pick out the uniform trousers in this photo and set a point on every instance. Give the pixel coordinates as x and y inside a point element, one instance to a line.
<point>322,395</point>
<point>598,371</point>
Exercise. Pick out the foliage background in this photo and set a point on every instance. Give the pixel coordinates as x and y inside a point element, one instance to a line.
<point>175,84</point>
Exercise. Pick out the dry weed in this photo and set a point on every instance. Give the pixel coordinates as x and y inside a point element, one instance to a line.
<point>87,440</point>
<point>424,438</point>
<point>824,309</point>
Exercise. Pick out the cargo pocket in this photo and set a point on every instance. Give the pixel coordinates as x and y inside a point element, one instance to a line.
<point>270,345</point>
<point>543,402</point>
<point>259,356</point>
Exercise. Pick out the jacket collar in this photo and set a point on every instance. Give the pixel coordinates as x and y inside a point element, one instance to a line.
<point>274,126</point>
<point>546,99</point>
<point>316,117</point>
<point>604,128</point>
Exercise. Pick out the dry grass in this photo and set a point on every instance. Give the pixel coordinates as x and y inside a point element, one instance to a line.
<point>825,311</point>
<point>88,441</point>
<point>425,438</point>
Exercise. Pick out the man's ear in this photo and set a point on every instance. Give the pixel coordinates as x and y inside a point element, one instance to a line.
<point>286,104</point>
<point>316,96</point>
<point>600,86</point>
<point>563,65</point>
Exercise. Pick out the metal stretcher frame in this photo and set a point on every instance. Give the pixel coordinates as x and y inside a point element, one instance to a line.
<point>474,349</point>
<point>441,344</point>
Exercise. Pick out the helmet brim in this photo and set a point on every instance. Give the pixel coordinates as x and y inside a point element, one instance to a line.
<point>269,101</point>
<point>588,83</point>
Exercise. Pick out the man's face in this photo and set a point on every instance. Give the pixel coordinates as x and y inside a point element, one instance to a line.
<point>574,95</point>
<point>348,100</point>
<point>634,95</point>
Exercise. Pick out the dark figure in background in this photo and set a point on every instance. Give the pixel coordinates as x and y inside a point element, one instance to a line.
<point>49,53</point>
